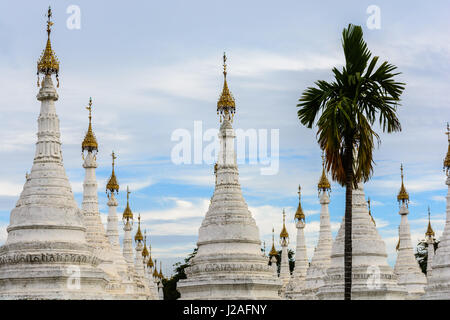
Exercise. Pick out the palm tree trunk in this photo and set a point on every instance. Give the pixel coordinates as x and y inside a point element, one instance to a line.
<point>348,223</point>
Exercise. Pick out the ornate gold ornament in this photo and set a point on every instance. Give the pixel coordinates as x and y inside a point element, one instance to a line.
<point>150,261</point>
<point>430,231</point>
<point>284,234</point>
<point>324,184</point>
<point>226,106</point>
<point>138,237</point>
<point>299,215</point>
<point>127,214</point>
<point>145,250</point>
<point>48,62</point>
<point>403,196</point>
<point>273,251</point>
<point>90,142</point>
<point>112,185</point>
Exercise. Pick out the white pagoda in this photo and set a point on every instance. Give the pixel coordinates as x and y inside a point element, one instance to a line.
<point>410,276</point>
<point>228,264</point>
<point>321,259</point>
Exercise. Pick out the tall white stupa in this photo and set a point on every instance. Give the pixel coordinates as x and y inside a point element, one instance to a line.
<point>228,264</point>
<point>321,259</point>
<point>112,228</point>
<point>372,277</point>
<point>46,255</point>
<point>95,231</point>
<point>439,283</point>
<point>297,281</point>
<point>410,276</point>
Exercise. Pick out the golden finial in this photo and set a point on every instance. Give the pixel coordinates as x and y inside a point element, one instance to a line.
<point>226,106</point>
<point>138,237</point>
<point>323,184</point>
<point>150,261</point>
<point>145,250</point>
<point>299,215</point>
<point>112,185</point>
<point>403,196</point>
<point>370,212</point>
<point>127,214</point>
<point>155,271</point>
<point>273,251</point>
<point>430,231</point>
<point>48,62</point>
<point>89,142</point>
<point>284,234</point>
<point>447,157</point>
<point>160,275</point>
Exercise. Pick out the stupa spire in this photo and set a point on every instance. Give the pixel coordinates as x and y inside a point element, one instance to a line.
<point>226,106</point>
<point>145,252</point>
<point>273,251</point>
<point>299,215</point>
<point>403,196</point>
<point>48,63</point>
<point>113,185</point>
<point>447,157</point>
<point>324,184</point>
<point>127,213</point>
<point>430,232</point>
<point>138,237</point>
<point>90,142</point>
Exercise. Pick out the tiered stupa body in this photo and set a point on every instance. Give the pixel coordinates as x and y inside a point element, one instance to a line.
<point>228,264</point>
<point>372,277</point>
<point>297,282</point>
<point>95,232</point>
<point>321,259</point>
<point>410,276</point>
<point>439,283</point>
<point>46,255</point>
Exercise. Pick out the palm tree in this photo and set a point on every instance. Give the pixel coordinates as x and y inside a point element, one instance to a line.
<point>348,107</point>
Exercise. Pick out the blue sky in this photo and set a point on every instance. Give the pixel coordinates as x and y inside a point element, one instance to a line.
<point>154,67</point>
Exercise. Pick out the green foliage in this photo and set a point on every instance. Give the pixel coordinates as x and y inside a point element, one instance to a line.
<point>422,254</point>
<point>170,285</point>
<point>291,255</point>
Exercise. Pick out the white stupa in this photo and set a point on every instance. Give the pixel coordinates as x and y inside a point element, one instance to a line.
<point>95,231</point>
<point>285,272</point>
<point>410,276</point>
<point>46,255</point>
<point>112,229</point>
<point>439,283</point>
<point>321,259</point>
<point>228,264</point>
<point>430,241</point>
<point>297,281</point>
<point>372,277</point>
